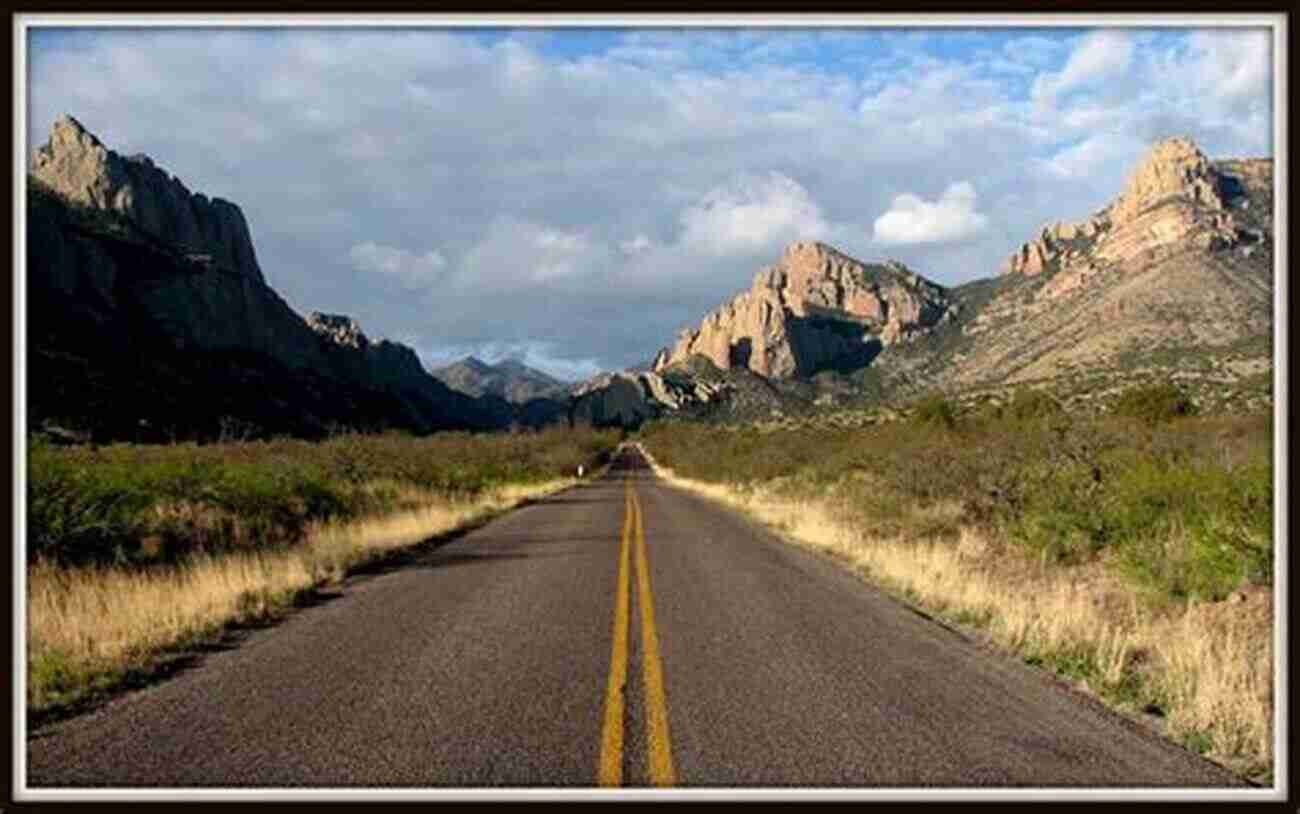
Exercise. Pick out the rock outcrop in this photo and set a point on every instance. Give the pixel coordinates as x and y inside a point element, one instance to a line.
<point>626,399</point>
<point>338,329</point>
<point>815,309</point>
<point>1175,196</point>
<point>1174,278</point>
<point>190,342</point>
<point>75,165</point>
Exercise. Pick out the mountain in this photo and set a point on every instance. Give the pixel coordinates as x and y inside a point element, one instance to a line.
<point>1173,279</point>
<point>509,379</point>
<point>77,167</point>
<point>149,318</point>
<point>815,309</point>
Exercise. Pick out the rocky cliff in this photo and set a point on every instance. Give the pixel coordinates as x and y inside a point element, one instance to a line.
<point>75,165</point>
<point>815,309</point>
<point>1173,278</point>
<point>626,399</point>
<point>136,334</point>
<point>1174,197</point>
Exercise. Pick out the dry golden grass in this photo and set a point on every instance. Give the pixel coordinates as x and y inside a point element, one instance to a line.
<point>1210,665</point>
<point>90,627</point>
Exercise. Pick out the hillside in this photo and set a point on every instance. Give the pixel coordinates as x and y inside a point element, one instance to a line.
<point>150,319</point>
<point>1172,280</point>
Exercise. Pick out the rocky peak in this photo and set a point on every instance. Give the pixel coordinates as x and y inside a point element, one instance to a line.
<point>78,167</point>
<point>338,328</point>
<point>1173,168</point>
<point>1174,194</point>
<point>476,364</point>
<point>815,307</point>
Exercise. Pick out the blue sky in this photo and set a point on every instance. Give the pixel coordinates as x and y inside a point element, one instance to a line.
<point>575,196</point>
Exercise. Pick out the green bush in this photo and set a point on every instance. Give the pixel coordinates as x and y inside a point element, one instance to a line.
<point>1028,405</point>
<point>935,409</point>
<point>1155,403</point>
<point>76,512</point>
<point>1182,508</point>
<point>96,504</point>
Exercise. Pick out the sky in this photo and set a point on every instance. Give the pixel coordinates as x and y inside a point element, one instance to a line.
<point>574,197</point>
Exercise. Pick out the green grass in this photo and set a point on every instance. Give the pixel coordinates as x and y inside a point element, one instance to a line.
<point>1180,510</point>
<point>131,503</point>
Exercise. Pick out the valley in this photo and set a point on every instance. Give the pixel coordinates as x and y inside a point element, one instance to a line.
<point>1040,507</point>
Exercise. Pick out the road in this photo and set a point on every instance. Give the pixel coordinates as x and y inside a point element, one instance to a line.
<point>620,633</point>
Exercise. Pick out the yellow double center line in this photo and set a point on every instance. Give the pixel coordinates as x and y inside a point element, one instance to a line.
<point>658,742</point>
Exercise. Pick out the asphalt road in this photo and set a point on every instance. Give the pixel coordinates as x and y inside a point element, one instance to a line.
<point>619,633</point>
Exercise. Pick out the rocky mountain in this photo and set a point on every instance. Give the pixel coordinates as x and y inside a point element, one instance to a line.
<point>815,309</point>
<point>77,167</point>
<point>1173,279</point>
<point>790,344</point>
<point>149,318</point>
<point>509,379</point>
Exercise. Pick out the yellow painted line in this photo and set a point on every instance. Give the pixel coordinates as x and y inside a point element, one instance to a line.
<point>611,739</point>
<point>658,742</point>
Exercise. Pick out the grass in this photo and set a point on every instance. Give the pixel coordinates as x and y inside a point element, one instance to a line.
<point>1130,557</point>
<point>137,554</point>
<point>155,504</point>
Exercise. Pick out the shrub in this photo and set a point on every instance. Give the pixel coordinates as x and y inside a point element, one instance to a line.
<point>1027,405</point>
<point>77,512</point>
<point>1155,403</point>
<point>935,409</point>
<point>100,504</point>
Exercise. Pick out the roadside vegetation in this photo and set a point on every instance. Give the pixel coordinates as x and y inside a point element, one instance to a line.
<point>1132,553</point>
<point>137,553</point>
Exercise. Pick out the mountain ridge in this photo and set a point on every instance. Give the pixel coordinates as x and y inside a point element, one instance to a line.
<point>153,296</point>
<point>509,379</point>
<point>1173,278</point>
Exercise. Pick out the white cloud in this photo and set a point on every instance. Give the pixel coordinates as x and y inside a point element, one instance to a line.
<point>636,245</point>
<point>913,220</point>
<point>1099,55</point>
<point>524,252</point>
<point>413,270</point>
<point>1085,159</point>
<point>1233,64</point>
<point>752,213</point>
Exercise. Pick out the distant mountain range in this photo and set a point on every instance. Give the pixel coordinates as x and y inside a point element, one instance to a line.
<point>509,379</point>
<point>149,318</point>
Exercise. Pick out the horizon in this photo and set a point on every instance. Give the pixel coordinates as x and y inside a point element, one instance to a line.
<point>660,171</point>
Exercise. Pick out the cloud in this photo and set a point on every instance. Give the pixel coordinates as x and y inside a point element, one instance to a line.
<point>1100,55</point>
<point>636,245</point>
<point>949,219</point>
<point>413,270</point>
<point>1233,64</point>
<point>526,253</point>
<point>752,213</point>
<point>1085,158</point>
<point>591,193</point>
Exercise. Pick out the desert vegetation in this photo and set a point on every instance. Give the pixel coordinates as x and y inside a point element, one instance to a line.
<point>1130,552</point>
<point>137,552</point>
